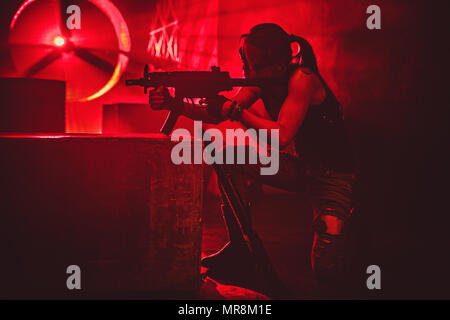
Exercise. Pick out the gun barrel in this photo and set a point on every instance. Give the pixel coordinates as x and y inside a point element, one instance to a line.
<point>133,82</point>
<point>243,82</point>
<point>174,79</point>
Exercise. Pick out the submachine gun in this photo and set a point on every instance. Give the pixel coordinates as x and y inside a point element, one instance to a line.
<point>207,84</point>
<point>189,84</point>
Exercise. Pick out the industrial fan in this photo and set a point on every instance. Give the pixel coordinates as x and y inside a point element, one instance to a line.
<point>91,58</point>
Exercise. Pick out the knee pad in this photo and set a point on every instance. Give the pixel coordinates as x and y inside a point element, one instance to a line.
<point>335,226</point>
<point>328,255</point>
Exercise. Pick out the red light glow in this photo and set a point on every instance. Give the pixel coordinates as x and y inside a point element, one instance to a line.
<point>59,41</point>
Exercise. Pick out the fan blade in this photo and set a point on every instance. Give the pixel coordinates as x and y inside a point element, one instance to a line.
<point>139,61</point>
<point>96,61</point>
<point>27,45</point>
<point>41,64</point>
<point>104,50</point>
<point>63,4</point>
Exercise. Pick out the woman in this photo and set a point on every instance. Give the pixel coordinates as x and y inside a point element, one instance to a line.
<point>316,155</point>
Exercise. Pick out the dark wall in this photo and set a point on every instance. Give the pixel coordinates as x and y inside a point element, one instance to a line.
<point>391,83</point>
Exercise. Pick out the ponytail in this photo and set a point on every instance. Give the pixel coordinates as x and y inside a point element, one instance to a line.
<point>305,57</point>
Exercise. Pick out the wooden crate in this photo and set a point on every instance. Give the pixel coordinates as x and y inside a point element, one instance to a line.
<point>115,206</point>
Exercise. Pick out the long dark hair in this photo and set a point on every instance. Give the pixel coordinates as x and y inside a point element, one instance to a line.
<point>276,45</point>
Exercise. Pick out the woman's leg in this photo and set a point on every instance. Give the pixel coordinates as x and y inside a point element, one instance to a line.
<point>331,193</point>
<point>244,177</point>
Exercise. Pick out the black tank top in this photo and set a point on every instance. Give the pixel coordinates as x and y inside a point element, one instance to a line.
<point>322,138</point>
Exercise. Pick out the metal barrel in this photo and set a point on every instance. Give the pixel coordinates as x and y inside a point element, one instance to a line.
<point>133,82</point>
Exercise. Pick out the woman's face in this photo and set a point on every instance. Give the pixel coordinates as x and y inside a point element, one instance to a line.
<point>258,66</point>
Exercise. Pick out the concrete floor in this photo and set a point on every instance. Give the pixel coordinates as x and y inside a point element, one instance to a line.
<point>283,222</point>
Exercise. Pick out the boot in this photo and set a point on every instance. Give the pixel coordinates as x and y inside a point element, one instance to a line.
<point>234,258</point>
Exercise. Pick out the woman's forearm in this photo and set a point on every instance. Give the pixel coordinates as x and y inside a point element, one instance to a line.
<point>250,120</point>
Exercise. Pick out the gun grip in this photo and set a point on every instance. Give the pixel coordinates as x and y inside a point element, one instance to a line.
<point>172,118</point>
<point>170,122</point>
